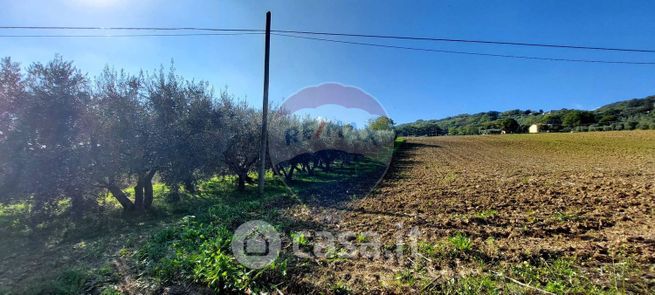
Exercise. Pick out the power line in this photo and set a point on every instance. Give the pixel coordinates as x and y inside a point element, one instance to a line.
<point>130,35</point>
<point>468,41</point>
<point>129,28</point>
<point>396,37</point>
<point>296,34</point>
<point>466,52</point>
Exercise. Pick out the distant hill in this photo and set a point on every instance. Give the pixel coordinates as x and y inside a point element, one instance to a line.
<point>623,115</point>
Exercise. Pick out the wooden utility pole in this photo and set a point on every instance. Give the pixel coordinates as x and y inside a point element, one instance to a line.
<point>262,157</point>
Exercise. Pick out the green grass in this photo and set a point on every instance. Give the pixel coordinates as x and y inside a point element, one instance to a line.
<point>486,214</point>
<point>399,141</point>
<point>460,242</point>
<point>473,284</point>
<point>68,282</point>
<point>566,216</point>
<point>14,219</point>
<point>340,288</point>
<point>197,248</point>
<point>300,239</point>
<point>558,276</point>
<point>406,277</point>
<point>449,178</point>
<point>457,245</point>
<point>110,291</point>
<point>361,238</point>
<point>180,235</point>
<point>429,249</point>
<point>564,275</point>
<point>332,183</point>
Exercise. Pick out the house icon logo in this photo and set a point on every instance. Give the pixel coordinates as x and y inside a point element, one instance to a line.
<point>256,244</point>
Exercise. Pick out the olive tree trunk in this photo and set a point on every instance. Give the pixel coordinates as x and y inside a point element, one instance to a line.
<point>138,193</point>
<point>120,196</point>
<point>147,189</point>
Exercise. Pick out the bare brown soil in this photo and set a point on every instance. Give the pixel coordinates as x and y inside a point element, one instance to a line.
<point>588,196</point>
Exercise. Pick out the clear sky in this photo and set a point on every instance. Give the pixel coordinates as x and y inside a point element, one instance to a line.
<point>411,85</point>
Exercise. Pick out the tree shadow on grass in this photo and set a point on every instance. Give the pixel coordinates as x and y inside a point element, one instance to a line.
<point>336,187</point>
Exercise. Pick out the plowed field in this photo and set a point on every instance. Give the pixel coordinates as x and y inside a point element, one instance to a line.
<point>565,213</point>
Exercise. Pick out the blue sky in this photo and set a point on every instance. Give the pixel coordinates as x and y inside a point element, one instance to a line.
<point>410,85</point>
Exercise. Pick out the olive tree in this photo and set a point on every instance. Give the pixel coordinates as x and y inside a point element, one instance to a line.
<point>121,136</point>
<point>242,134</point>
<point>50,138</point>
<point>11,92</point>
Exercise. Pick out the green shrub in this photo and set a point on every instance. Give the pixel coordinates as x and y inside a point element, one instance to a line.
<point>170,253</point>
<point>197,249</point>
<point>215,268</point>
<point>631,125</point>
